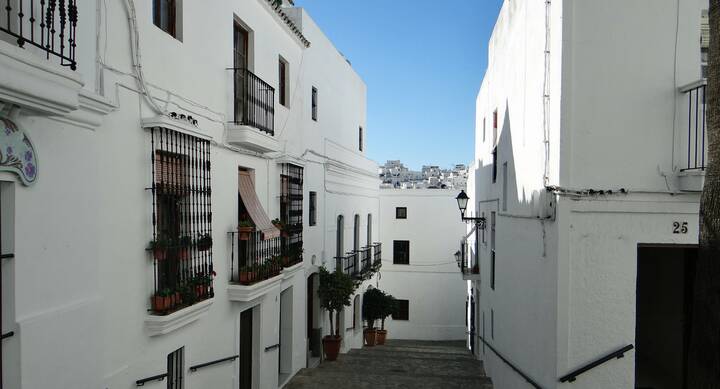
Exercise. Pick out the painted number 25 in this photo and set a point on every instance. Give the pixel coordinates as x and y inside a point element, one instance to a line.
<point>680,228</point>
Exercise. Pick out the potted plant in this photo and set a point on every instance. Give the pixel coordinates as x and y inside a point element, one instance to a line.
<point>162,300</point>
<point>247,274</point>
<point>159,247</point>
<point>334,291</point>
<point>371,311</point>
<point>184,244</point>
<point>187,293</point>
<point>388,307</point>
<point>281,226</point>
<point>204,242</point>
<point>245,228</point>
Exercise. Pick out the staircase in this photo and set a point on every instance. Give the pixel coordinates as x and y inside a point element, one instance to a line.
<point>398,364</point>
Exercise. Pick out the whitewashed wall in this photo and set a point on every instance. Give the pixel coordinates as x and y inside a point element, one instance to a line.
<point>78,290</point>
<point>431,282</point>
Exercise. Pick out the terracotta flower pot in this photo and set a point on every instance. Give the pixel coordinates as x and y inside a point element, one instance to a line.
<point>160,253</point>
<point>244,232</point>
<point>160,303</point>
<point>380,339</point>
<point>247,277</point>
<point>369,335</point>
<point>331,347</point>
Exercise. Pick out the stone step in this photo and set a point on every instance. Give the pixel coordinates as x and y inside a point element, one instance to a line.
<point>327,379</point>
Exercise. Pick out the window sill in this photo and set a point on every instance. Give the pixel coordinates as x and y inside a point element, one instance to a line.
<point>161,325</point>
<point>247,293</point>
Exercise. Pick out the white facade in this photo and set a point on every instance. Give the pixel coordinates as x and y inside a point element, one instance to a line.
<point>429,282</point>
<point>585,167</point>
<point>77,292</point>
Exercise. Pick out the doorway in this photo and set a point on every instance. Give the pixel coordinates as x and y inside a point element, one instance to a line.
<point>246,347</point>
<point>314,334</point>
<point>286,338</point>
<point>663,312</point>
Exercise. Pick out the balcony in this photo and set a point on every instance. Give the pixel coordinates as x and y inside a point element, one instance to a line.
<point>467,263</point>
<point>253,126</point>
<point>693,150</point>
<point>366,263</point>
<point>377,255</point>
<point>38,57</point>
<point>349,264</point>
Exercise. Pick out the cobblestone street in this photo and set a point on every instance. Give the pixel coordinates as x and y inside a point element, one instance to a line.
<point>399,364</point>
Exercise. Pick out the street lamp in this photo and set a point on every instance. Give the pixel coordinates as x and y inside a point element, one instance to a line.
<point>462,200</point>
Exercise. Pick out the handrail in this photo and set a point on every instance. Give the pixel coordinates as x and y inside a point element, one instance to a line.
<point>523,375</point>
<point>273,347</point>
<point>615,354</point>
<point>7,334</point>
<point>200,366</point>
<point>158,377</point>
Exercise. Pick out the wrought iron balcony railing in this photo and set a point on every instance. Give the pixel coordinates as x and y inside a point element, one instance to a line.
<point>377,254</point>
<point>256,259</point>
<point>254,101</point>
<point>696,135</point>
<point>365,259</point>
<point>348,264</point>
<point>49,25</point>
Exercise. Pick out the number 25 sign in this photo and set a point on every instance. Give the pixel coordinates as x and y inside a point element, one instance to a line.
<point>680,227</point>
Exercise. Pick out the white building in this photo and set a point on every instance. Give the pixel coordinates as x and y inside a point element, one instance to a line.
<point>419,236</point>
<point>175,118</point>
<point>589,168</point>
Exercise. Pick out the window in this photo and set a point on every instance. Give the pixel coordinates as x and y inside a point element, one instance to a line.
<point>403,308</point>
<point>166,16</point>
<point>175,369</point>
<point>505,187</point>
<point>356,233</point>
<point>401,252</point>
<point>340,238</point>
<point>180,216</point>
<point>360,139</point>
<point>282,81</point>
<point>314,103</point>
<point>291,210</point>
<point>492,323</point>
<point>492,250</point>
<point>369,230</point>
<point>401,213</point>
<point>494,164</point>
<point>495,128</point>
<point>483,129</point>
<point>313,208</point>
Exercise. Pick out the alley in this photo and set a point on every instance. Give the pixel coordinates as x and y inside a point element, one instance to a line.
<point>398,364</point>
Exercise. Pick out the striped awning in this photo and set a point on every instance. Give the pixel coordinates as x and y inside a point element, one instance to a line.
<point>254,208</point>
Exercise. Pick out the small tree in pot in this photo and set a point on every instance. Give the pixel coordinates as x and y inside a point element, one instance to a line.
<point>371,311</point>
<point>334,291</point>
<point>388,307</point>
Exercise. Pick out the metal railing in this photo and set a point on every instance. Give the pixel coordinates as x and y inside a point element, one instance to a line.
<point>256,259</point>
<point>377,253</point>
<point>366,262</point>
<point>468,263</point>
<point>348,264</point>
<point>49,25</point>
<point>254,101</point>
<point>615,354</point>
<point>696,135</point>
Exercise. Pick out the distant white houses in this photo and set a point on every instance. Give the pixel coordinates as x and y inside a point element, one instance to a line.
<point>394,174</point>
<point>589,158</point>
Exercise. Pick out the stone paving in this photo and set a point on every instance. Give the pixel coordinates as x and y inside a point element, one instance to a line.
<point>399,364</point>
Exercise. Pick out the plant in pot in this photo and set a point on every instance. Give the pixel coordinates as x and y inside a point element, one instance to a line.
<point>245,228</point>
<point>184,244</point>
<point>371,311</point>
<point>204,242</point>
<point>388,307</point>
<point>162,300</point>
<point>247,274</point>
<point>335,290</point>
<point>159,247</point>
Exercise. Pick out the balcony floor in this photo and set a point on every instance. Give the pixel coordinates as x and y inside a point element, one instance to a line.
<point>398,364</point>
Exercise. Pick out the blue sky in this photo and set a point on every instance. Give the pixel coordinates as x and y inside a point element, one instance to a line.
<point>422,61</point>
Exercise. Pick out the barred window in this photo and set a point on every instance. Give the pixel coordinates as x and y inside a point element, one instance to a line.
<point>291,210</point>
<point>181,220</point>
<point>313,209</point>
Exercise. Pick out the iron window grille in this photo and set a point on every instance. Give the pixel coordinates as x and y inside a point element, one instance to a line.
<point>50,25</point>
<point>181,220</point>
<point>400,212</point>
<point>314,104</point>
<point>291,211</point>
<point>401,252</point>
<point>175,369</point>
<point>313,209</point>
<point>403,310</point>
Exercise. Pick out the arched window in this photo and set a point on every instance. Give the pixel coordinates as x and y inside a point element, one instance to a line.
<point>356,232</point>
<point>369,230</point>
<point>340,233</point>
